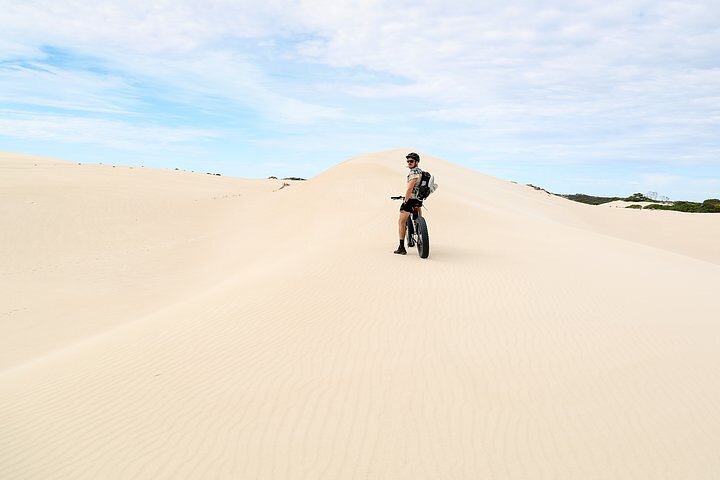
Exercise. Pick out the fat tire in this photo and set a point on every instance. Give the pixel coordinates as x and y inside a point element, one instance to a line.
<point>423,243</point>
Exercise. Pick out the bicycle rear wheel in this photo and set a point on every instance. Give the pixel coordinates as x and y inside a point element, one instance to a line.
<point>423,239</point>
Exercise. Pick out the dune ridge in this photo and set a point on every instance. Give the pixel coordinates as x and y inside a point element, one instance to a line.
<point>189,326</point>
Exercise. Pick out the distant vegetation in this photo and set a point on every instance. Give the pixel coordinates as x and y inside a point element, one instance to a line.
<point>589,199</point>
<point>711,205</point>
<point>539,189</point>
<point>639,197</point>
<point>286,178</point>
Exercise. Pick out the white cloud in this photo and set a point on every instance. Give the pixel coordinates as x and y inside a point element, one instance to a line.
<point>43,85</point>
<point>135,26</point>
<point>229,77</point>
<point>116,134</point>
<point>551,60</point>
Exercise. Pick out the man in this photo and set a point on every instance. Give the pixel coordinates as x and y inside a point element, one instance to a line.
<point>411,200</point>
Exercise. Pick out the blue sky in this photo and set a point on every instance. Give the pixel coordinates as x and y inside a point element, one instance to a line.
<point>611,97</point>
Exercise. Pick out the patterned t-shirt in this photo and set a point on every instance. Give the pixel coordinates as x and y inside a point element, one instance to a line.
<point>415,173</point>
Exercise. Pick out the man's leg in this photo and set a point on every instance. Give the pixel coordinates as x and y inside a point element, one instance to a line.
<point>401,231</point>
<point>402,224</point>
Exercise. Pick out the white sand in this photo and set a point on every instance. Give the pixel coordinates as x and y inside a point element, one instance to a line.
<point>164,324</point>
<point>624,204</point>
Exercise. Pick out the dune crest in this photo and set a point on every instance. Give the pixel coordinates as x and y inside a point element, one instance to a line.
<point>164,324</point>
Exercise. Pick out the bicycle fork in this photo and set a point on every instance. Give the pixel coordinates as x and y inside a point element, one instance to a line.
<point>411,226</point>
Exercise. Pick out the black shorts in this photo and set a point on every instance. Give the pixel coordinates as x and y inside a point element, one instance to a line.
<point>408,205</point>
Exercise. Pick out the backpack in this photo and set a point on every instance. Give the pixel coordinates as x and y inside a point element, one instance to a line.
<point>427,185</point>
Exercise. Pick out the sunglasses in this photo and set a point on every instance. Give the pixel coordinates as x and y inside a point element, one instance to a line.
<point>409,160</point>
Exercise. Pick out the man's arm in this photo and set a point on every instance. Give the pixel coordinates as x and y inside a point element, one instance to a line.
<point>411,186</point>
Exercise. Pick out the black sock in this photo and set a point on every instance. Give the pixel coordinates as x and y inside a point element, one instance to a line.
<point>402,243</point>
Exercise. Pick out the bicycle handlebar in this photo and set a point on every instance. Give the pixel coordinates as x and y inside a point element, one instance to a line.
<point>397,198</point>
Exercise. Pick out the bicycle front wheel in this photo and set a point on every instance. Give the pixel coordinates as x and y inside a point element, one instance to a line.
<point>410,232</point>
<point>423,239</point>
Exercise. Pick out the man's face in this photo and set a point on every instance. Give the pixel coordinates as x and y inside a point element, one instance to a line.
<point>411,162</point>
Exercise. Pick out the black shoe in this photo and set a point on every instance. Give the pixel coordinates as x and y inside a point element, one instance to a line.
<point>411,243</point>
<point>401,251</point>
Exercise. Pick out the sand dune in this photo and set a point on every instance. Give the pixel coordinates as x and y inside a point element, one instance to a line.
<point>164,324</point>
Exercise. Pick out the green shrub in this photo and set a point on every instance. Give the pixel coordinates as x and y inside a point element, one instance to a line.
<point>711,205</point>
<point>638,197</point>
<point>589,199</point>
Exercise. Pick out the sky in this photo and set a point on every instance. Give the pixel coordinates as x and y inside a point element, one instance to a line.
<point>599,97</point>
